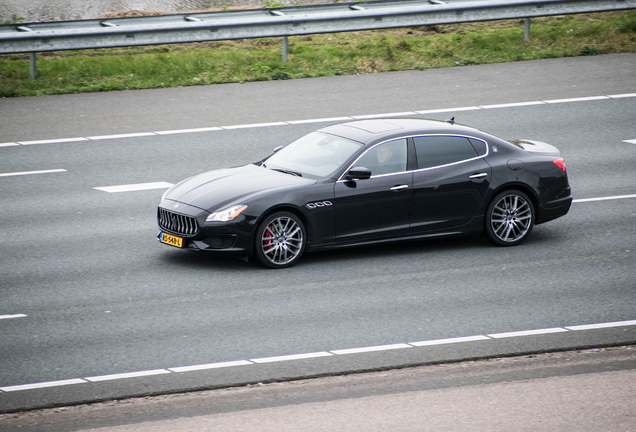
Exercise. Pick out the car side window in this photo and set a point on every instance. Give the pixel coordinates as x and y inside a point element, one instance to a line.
<point>385,158</point>
<point>434,151</point>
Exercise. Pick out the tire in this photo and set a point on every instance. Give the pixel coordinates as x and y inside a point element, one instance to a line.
<point>509,218</point>
<point>280,240</point>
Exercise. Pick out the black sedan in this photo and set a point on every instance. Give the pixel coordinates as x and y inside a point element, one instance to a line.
<point>369,182</point>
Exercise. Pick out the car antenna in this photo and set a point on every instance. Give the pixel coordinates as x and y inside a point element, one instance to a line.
<point>451,121</point>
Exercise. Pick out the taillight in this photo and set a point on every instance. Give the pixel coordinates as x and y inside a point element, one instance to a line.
<point>560,163</point>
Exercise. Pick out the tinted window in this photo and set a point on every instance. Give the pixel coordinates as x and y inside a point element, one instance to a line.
<point>386,158</point>
<point>441,150</point>
<point>479,146</point>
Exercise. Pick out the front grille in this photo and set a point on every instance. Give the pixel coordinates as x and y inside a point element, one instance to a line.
<point>177,223</point>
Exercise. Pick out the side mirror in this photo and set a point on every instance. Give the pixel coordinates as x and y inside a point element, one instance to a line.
<point>358,173</point>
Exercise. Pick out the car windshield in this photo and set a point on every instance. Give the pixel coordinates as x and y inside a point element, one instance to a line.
<point>314,155</point>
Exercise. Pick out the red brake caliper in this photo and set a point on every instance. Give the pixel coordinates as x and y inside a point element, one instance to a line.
<point>268,237</point>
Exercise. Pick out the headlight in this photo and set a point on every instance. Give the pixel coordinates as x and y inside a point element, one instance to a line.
<point>226,214</point>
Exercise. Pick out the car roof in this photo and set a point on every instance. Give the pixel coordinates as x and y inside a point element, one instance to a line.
<point>376,130</point>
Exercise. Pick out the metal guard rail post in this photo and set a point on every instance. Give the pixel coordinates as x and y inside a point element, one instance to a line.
<point>279,22</point>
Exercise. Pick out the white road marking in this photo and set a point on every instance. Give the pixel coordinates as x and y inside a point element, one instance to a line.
<point>602,325</point>
<point>53,141</point>
<point>42,385</point>
<point>321,120</point>
<point>616,197</point>
<point>580,99</point>
<point>12,316</point>
<point>373,116</point>
<point>127,375</point>
<point>183,369</point>
<point>526,333</point>
<point>210,366</point>
<point>32,172</point>
<point>630,141</point>
<point>625,95</point>
<point>371,349</point>
<point>182,131</point>
<point>449,341</point>
<point>130,135</point>
<point>134,187</point>
<point>255,125</point>
<point>512,105</point>
<point>291,357</point>
<point>446,110</point>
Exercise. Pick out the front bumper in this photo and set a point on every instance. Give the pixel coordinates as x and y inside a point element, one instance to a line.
<point>226,244</point>
<point>188,224</point>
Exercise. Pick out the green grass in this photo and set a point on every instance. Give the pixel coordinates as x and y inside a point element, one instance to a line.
<point>317,55</point>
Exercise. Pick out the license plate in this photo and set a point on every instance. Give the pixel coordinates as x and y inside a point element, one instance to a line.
<point>171,240</point>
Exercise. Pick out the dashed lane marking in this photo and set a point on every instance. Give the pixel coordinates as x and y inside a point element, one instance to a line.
<point>616,197</point>
<point>449,341</point>
<point>371,349</point>
<point>182,131</point>
<point>130,135</point>
<point>527,333</point>
<point>12,316</point>
<point>579,99</point>
<point>53,141</point>
<point>127,375</point>
<point>210,366</point>
<point>292,357</point>
<point>43,385</point>
<point>23,173</point>
<point>134,187</point>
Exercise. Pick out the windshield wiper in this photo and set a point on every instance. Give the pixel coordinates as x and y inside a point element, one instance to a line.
<point>294,173</point>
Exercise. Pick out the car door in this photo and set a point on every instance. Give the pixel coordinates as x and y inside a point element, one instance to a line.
<point>377,207</point>
<point>450,183</point>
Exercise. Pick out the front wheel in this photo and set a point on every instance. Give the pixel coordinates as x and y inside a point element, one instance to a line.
<point>280,240</point>
<point>509,218</point>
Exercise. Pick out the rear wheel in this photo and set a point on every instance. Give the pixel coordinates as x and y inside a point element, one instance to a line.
<point>509,218</point>
<point>280,240</point>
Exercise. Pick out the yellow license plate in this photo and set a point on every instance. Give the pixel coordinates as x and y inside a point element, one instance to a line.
<point>171,240</point>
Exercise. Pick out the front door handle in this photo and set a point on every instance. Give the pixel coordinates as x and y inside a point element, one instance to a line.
<point>399,188</point>
<point>476,176</point>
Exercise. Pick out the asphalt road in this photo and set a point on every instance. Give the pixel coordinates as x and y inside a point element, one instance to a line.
<point>86,292</point>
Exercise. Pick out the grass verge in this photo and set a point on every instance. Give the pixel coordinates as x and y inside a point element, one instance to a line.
<point>414,48</point>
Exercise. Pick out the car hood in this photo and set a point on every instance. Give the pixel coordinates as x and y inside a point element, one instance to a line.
<point>214,189</point>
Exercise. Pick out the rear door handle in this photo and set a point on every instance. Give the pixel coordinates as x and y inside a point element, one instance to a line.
<point>476,176</point>
<point>399,188</point>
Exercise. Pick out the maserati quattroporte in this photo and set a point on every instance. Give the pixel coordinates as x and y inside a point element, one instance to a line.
<point>369,182</point>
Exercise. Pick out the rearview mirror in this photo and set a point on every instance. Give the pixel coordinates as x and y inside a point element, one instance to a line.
<point>358,173</point>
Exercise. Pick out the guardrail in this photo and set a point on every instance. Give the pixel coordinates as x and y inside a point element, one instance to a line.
<point>277,22</point>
